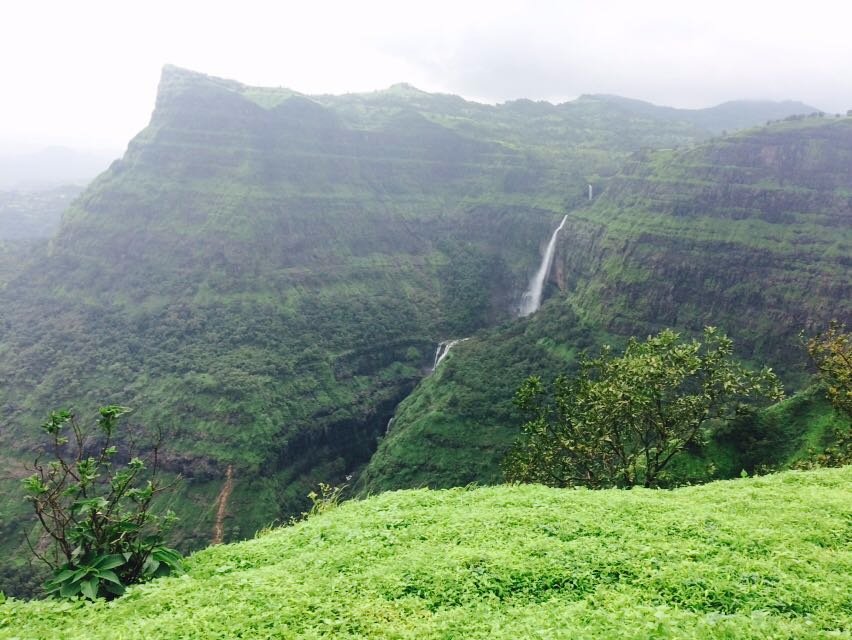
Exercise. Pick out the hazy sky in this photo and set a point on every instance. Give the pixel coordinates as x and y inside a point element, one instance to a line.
<point>84,73</point>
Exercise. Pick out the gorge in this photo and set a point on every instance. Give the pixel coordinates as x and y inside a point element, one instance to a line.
<point>264,275</point>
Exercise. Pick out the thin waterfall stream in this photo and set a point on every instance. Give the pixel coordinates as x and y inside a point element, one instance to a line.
<point>531,300</point>
<point>444,349</point>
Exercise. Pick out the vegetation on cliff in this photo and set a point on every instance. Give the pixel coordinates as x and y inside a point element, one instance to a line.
<point>750,233</point>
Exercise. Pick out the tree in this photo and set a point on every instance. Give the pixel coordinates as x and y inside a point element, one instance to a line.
<point>831,352</point>
<point>623,419</point>
<point>96,512</point>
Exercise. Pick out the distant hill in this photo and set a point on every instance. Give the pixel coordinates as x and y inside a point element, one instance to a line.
<point>725,117</point>
<point>31,214</point>
<point>763,557</point>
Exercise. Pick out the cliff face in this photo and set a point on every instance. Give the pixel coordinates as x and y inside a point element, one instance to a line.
<point>265,277</point>
<point>752,233</point>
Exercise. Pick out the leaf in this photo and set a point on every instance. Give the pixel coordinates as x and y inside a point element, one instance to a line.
<point>169,556</point>
<point>69,589</point>
<point>62,576</point>
<point>110,561</point>
<point>90,588</point>
<point>81,573</point>
<point>109,575</point>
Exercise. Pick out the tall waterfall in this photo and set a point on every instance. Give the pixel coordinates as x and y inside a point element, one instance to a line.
<point>444,349</point>
<point>531,299</point>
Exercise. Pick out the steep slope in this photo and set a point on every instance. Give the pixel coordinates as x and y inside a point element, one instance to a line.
<point>758,558</point>
<point>457,425</point>
<point>752,233</point>
<point>264,284</point>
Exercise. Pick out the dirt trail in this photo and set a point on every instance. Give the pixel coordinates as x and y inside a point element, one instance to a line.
<point>222,508</point>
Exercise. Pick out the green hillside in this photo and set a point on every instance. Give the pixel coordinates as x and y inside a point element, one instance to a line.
<point>751,233</point>
<point>458,424</point>
<point>765,557</point>
<point>265,275</point>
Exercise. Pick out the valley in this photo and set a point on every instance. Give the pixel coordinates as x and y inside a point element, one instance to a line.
<point>265,276</point>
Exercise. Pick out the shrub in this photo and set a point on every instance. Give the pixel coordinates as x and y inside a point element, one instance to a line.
<point>97,512</point>
<point>622,419</point>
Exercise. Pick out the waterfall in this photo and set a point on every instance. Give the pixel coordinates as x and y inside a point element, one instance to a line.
<point>444,349</point>
<point>439,354</point>
<point>531,299</point>
<point>387,429</point>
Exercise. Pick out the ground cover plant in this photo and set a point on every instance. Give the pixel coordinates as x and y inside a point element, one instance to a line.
<point>763,557</point>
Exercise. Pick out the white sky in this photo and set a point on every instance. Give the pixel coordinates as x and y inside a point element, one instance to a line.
<point>84,72</point>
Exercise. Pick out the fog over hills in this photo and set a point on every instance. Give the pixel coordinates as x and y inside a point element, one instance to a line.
<point>51,167</point>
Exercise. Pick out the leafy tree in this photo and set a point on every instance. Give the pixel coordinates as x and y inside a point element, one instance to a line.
<point>623,419</point>
<point>831,352</point>
<point>97,512</point>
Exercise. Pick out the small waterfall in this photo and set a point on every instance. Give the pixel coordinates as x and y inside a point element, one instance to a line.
<point>531,300</point>
<point>444,349</point>
<point>387,429</point>
<point>439,354</point>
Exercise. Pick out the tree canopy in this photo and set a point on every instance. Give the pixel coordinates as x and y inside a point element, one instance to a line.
<point>831,352</point>
<point>623,418</point>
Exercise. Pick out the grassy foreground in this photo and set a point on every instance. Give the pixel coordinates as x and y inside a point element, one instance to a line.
<point>767,557</point>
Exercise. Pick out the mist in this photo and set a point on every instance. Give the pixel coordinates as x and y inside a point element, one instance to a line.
<point>86,75</point>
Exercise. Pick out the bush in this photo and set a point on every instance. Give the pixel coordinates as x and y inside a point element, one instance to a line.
<point>96,512</point>
<point>623,419</point>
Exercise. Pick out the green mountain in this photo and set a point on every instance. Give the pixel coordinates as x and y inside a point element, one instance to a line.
<point>264,276</point>
<point>764,557</point>
<point>750,233</point>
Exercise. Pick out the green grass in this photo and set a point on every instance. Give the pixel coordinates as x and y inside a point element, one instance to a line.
<point>766,557</point>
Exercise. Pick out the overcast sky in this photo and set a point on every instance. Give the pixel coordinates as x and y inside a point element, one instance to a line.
<point>84,73</point>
